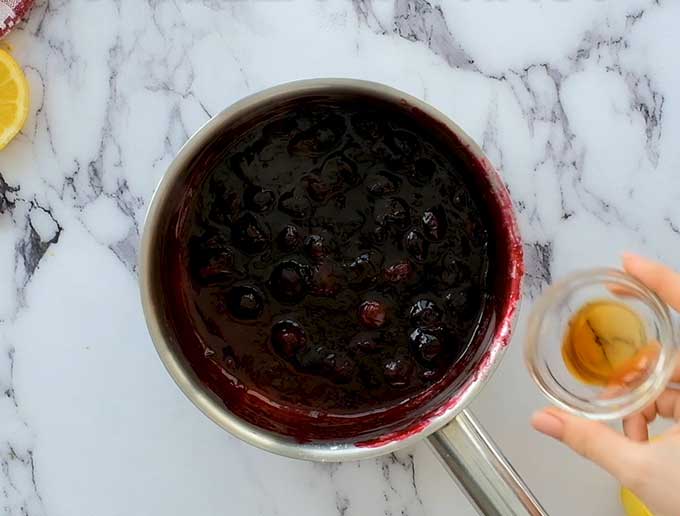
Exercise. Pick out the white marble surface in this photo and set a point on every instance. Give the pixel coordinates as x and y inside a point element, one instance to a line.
<point>577,102</point>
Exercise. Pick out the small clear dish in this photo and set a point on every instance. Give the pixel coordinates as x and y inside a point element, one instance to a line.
<point>551,323</point>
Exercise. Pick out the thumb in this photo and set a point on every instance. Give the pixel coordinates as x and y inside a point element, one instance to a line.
<point>592,440</point>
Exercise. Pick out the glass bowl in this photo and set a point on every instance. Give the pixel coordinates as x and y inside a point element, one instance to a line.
<point>550,320</point>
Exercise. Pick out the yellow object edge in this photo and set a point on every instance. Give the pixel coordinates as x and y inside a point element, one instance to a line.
<point>23,101</point>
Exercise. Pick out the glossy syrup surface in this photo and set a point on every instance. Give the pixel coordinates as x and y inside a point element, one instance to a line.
<point>330,262</point>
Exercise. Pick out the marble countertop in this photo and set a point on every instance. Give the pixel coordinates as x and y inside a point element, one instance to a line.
<point>576,102</point>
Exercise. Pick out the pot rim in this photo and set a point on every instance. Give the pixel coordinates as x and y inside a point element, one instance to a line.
<point>212,407</point>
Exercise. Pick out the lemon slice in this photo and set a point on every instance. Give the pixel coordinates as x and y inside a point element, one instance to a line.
<point>14,98</point>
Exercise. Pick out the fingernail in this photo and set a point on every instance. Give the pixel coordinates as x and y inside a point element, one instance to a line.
<point>548,424</point>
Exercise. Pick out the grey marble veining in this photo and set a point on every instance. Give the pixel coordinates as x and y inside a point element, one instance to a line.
<point>576,102</point>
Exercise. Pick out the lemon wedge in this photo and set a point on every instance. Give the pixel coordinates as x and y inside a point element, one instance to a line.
<point>14,98</point>
<point>632,504</point>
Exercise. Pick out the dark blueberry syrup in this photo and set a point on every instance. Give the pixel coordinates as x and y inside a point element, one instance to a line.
<point>326,262</point>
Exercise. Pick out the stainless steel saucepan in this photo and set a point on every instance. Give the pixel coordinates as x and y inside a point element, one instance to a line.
<point>463,447</point>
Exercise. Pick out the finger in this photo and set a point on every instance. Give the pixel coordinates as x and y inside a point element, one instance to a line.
<point>675,377</point>
<point>634,370</point>
<point>658,277</point>
<point>649,412</point>
<point>674,430</point>
<point>668,404</point>
<point>635,427</point>
<point>622,291</point>
<point>594,441</point>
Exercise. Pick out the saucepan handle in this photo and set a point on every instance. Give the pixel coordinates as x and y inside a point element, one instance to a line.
<point>487,478</point>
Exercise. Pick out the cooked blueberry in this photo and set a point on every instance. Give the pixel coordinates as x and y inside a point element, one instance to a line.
<point>214,243</point>
<point>456,299</point>
<point>398,272</point>
<point>425,312</point>
<point>339,366</point>
<point>288,337</point>
<point>319,139</point>
<point>425,345</point>
<point>245,302</point>
<point>364,269</point>
<point>382,184</point>
<point>289,238</point>
<point>251,234</point>
<point>364,342</point>
<point>217,264</point>
<point>423,171</point>
<point>295,203</point>
<point>288,281</point>
<point>226,208</point>
<point>453,269</point>
<point>325,280</point>
<point>434,223</point>
<point>378,235</point>
<point>245,165</point>
<point>311,359</point>
<point>416,245</point>
<point>349,223</point>
<point>339,170</point>
<point>368,125</point>
<point>392,211</point>
<point>398,371</point>
<point>372,314</point>
<point>403,144</point>
<point>317,189</point>
<point>259,199</point>
<point>232,204</point>
<point>316,247</point>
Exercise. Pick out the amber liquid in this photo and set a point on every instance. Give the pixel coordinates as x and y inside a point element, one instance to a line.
<point>606,344</point>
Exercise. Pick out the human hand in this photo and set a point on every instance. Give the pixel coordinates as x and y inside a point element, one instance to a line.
<point>651,470</point>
